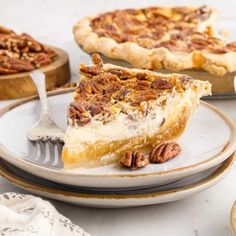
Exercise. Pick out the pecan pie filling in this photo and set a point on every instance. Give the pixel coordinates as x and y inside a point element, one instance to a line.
<point>102,94</point>
<point>175,29</point>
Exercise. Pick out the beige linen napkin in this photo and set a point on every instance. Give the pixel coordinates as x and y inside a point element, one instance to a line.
<point>26,215</point>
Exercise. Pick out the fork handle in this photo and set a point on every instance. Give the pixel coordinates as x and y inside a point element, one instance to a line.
<point>39,80</point>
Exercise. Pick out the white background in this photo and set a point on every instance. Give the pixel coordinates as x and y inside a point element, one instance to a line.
<point>205,214</point>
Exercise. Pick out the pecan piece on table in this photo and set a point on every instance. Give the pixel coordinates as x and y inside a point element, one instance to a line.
<point>164,152</point>
<point>134,160</point>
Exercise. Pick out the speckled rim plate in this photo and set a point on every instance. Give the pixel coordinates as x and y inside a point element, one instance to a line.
<point>233,219</point>
<point>188,163</point>
<point>106,200</point>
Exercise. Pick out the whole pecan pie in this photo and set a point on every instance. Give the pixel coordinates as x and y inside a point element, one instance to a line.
<point>20,52</point>
<point>116,110</point>
<point>174,38</point>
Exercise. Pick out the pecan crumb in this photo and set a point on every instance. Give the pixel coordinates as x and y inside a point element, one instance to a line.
<point>134,160</point>
<point>164,152</point>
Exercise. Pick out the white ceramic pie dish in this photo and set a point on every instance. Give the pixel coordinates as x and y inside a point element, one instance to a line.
<point>208,141</point>
<point>142,197</point>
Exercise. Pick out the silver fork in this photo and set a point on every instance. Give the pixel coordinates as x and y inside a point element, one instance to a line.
<point>47,136</point>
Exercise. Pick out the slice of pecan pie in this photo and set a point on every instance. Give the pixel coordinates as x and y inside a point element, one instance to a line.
<point>116,109</point>
<point>175,38</point>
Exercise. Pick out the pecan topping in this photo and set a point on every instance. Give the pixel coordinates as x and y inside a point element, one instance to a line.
<point>134,160</point>
<point>90,70</point>
<point>149,25</point>
<point>101,96</point>
<point>122,74</point>
<point>20,53</point>
<point>161,84</point>
<point>78,114</point>
<point>200,13</point>
<point>123,94</point>
<point>96,59</point>
<point>94,109</point>
<point>164,152</point>
<point>142,76</point>
<point>4,30</point>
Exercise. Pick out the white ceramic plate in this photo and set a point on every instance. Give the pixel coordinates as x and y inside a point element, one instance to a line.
<point>209,140</point>
<point>141,197</point>
<point>233,219</point>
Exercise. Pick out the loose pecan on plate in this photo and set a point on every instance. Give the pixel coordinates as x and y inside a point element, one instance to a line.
<point>134,160</point>
<point>164,152</point>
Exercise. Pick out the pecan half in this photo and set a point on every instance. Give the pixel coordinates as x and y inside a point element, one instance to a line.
<point>198,44</point>
<point>90,70</point>
<point>18,64</point>
<point>134,160</point>
<point>4,30</point>
<point>164,152</point>
<point>161,84</point>
<point>32,43</point>
<point>5,71</point>
<point>142,76</point>
<point>97,60</point>
<point>78,114</point>
<point>94,109</point>
<point>42,59</point>
<point>121,73</point>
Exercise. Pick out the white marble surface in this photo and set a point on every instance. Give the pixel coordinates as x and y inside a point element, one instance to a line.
<point>205,214</point>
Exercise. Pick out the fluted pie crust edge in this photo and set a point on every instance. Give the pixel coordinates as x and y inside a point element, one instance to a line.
<point>154,58</point>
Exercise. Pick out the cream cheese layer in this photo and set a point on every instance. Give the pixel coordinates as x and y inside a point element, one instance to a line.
<point>122,127</point>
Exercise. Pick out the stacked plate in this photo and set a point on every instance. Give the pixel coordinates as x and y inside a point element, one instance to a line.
<point>233,219</point>
<point>208,146</point>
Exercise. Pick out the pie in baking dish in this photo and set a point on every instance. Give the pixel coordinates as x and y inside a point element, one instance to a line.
<point>116,110</point>
<point>175,38</point>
